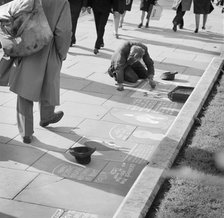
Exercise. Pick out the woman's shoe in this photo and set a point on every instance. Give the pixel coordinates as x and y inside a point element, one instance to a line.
<point>102,45</point>
<point>140,25</point>
<point>203,27</point>
<point>96,51</point>
<point>196,30</point>
<point>147,25</point>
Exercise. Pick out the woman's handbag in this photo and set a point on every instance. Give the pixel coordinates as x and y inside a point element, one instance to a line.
<point>156,12</point>
<point>26,31</point>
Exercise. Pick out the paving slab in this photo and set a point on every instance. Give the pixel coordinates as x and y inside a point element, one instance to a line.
<point>13,209</point>
<point>92,128</point>
<point>14,181</point>
<point>18,157</point>
<point>54,191</point>
<point>49,140</point>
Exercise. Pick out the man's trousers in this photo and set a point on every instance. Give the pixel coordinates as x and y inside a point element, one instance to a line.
<point>25,114</point>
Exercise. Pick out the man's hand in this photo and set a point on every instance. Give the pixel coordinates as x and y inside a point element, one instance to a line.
<point>151,76</point>
<point>152,83</point>
<point>89,10</point>
<point>83,9</point>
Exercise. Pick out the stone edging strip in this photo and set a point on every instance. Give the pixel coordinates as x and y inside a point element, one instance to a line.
<point>148,183</point>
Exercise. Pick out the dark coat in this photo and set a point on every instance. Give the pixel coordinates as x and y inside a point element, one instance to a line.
<point>103,6</point>
<point>37,76</point>
<point>120,56</point>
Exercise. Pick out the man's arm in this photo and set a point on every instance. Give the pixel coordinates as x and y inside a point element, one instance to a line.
<point>149,64</point>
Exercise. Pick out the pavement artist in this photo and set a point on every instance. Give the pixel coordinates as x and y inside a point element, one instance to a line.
<point>126,64</point>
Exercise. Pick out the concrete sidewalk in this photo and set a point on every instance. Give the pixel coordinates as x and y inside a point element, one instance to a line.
<point>127,128</point>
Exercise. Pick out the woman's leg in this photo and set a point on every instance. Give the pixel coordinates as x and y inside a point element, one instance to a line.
<point>205,16</point>
<point>122,19</point>
<point>197,21</point>
<point>117,16</point>
<point>142,19</point>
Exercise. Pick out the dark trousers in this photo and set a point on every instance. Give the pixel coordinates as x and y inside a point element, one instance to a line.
<point>100,22</point>
<point>134,72</point>
<point>178,19</point>
<point>75,7</point>
<point>25,115</point>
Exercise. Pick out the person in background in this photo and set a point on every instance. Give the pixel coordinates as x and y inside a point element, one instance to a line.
<point>146,7</point>
<point>184,5</point>
<point>118,8</point>
<point>202,7</point>
<point>101,10</point>
<point>37,77</point>
<point>76,6</point>
<point>126,65</point>
<point>127,8</point>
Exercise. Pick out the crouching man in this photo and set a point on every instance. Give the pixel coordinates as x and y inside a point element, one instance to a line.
<point>126,64</point>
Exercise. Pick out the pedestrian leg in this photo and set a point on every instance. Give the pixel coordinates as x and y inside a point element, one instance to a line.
<point>116,23</point>
<point>197,21</point>
<point>46,111</point>
<point>24,116</point>
<point>205,16</point>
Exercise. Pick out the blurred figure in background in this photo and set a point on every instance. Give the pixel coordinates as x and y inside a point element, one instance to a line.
<point>118,8</point>
<point>101,10</point>
<point>146,7</point>
<point>204,7</point>
<point>75,7</point>
<point>181,7</point>
<point>127,8</point>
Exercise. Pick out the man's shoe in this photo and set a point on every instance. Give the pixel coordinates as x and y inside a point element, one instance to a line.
<point>56,117</point>
<point>95,51</point>
<point>181,26</point>
<point>175,28</point>
<point>27,139</point>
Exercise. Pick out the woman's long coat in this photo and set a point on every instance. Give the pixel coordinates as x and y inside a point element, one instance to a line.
<point>37,77</point>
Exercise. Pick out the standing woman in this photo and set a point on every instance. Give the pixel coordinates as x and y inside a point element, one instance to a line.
<point>146,7</point>
<point>101,10</point>
<point>127,8</point>
<point>118,8</point>
<point>202,7</point>
<point>184,5</point>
